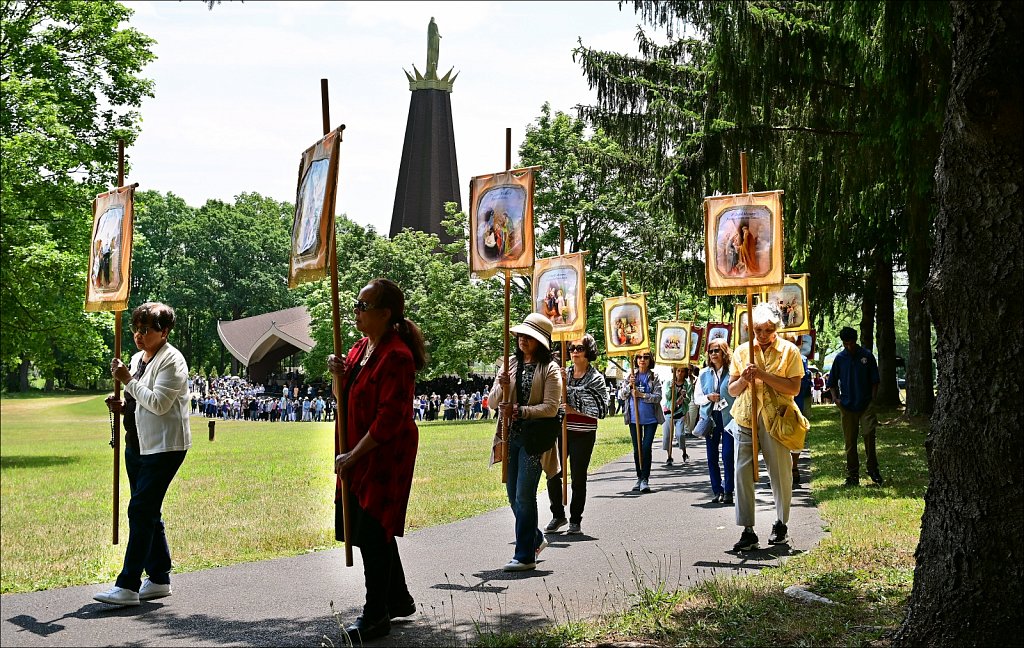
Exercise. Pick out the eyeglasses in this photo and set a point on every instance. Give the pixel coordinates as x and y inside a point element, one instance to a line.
<point>573,348</point>
<point>143,330</point>
<point>363,306</point>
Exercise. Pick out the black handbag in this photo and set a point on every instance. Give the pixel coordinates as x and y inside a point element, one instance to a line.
<point>539,434</point>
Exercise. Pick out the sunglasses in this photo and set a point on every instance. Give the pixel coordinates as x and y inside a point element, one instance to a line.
<point>363,306</point>
<point>143,330</point>
<point>710,351</point>
<point>646,356</point>
<point>573,348</point>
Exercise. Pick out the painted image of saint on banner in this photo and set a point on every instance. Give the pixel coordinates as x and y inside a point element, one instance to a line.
<point>501,222</point>
<point>790,301</point>
<point>559,292</point>
<point>110,251</point>
<point>743,241</point>
<point>673,343</point>
<point>313,223</point>
<point>718,331</point>
<point>106,243</point>
<point>625,325</point>
<point>696,337</point>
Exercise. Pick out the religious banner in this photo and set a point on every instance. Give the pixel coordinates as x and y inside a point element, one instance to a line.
<point>501,222</point>
<point>696,343</point>
<point>807,343</point>
<point>110,251</point>
<point>790,301</point>
<point>625,325</point>
<point>313,225</point>
<point>718,331</point>
<point>560,294</point>
<point>741,327</point>
<point>672,346</point>
<point>743,241</point>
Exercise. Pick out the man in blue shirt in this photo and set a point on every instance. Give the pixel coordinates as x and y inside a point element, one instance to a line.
<point>854,385</point>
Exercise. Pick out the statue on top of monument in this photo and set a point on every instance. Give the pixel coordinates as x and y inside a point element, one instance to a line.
<point>430,80</point>
<point>433,49</point>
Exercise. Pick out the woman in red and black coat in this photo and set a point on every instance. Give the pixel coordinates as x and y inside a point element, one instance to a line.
<point>378,381</point>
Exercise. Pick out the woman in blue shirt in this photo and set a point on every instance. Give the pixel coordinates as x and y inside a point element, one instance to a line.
<point>711,393</point>
<point>642,390</point>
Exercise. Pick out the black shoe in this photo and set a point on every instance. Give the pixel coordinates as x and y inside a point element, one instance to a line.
<point>400,610</point>
<point>718,497</point>
<point>780,533</point>
<point>727,499</point>
<point>555,524</point>
<point>796,478</point>
<point>668,462</point>
<point>686,457</point>
<point>361,631</point>
<point>852,481</point>
<point>876,477</point>
<point>748,542</point>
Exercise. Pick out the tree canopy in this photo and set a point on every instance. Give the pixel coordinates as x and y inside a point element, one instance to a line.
<point>69,87</point>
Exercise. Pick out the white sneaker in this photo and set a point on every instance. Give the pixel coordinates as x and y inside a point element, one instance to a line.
<point>645,487</point>
<point>118,596</point>
<point>514,565</point>
<point>542,547</point>
<point>151,590</point>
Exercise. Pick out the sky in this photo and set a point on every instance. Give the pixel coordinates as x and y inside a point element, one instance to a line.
<point>237,89</point>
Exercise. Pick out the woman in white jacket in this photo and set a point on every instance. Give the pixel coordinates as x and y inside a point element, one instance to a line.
<point>157,436</point>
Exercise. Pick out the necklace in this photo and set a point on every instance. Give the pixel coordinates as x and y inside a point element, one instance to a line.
<point>370,348</point>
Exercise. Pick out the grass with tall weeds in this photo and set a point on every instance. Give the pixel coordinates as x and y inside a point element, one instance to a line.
<point>258,491</point>
<point>865,565</point>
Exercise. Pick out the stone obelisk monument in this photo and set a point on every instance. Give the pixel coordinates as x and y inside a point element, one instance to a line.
<point>429,175</point>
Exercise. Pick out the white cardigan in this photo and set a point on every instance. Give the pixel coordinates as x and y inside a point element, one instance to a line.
<point>162,413</point>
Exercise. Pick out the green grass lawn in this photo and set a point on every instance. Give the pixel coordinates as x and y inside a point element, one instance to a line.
<point>259,491</point>
<point>865,565</point>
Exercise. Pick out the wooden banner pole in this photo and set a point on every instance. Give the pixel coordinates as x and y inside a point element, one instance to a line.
<point>750,338</point>
<point>505,396</point>
<point>565,393</point>
<point>636,406</point>
<point>340,419</point>
<point>115,437</point>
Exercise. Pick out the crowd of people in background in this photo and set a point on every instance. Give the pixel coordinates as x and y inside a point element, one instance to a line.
<point>235,398</point>
<point>452,407</point>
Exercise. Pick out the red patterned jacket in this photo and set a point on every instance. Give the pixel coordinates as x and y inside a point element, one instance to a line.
<point>380,404</point>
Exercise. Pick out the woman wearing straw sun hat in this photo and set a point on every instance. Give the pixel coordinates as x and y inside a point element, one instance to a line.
<point>534,387</point>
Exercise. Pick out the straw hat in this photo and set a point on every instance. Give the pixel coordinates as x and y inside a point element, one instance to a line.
<point>536,326</point>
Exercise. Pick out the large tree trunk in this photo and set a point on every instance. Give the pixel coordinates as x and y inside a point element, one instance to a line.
<point>969,579</point>
<point>920,396</point>
<point>23,368</point>
<point>885,332</point>
<point>867,311</point>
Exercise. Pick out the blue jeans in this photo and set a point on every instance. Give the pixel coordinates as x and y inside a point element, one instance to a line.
<point>712,441</point>
<point>643,472</point>
<point>523,479</point>
<point>149,477</point>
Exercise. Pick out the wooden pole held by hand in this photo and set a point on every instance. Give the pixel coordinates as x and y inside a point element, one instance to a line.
<point>340,418</point>
<point>505,396</point>
<point>115,439</point>
<point>744,188</point>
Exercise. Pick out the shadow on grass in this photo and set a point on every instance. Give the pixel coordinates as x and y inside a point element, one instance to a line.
<point>35,461</point>
<point>901,457</point>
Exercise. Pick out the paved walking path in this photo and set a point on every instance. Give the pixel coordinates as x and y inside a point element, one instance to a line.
<point>674,534</point>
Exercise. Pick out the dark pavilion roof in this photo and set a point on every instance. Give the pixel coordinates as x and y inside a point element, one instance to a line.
<point>253,338</point>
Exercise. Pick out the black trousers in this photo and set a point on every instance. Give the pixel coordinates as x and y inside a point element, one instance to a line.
<point>581,447</point>
<point>382,566</point>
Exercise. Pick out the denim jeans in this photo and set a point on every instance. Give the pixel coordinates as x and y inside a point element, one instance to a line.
<point>720,483</point>
<point>581,447</point>
<point>523,478</point>
<point>643,472</point>
<point>149,477</point>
